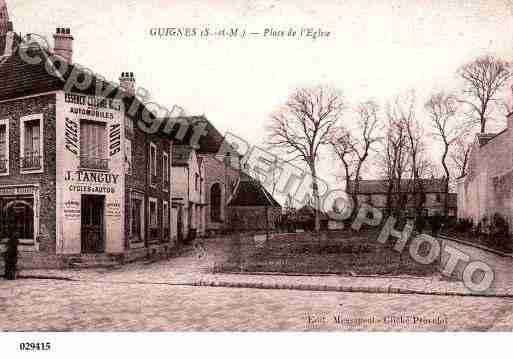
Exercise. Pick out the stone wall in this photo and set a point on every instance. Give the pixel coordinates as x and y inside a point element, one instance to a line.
<point>488,187</point>
<point>252,218</point>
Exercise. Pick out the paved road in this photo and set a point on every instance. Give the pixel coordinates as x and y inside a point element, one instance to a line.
<point>54,305</point>
<point>143,297</point>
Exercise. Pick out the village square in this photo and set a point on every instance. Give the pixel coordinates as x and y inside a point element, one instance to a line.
<point>119,212</point>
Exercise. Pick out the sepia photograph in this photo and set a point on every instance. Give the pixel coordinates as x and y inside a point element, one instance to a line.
<point>254,166</point>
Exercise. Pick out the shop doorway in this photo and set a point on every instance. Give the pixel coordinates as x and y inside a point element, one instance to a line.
<point>92,229</point>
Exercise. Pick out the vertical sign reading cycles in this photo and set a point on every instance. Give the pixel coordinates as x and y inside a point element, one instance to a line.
<point>90,164</point>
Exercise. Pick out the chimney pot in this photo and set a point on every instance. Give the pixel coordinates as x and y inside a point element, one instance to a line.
<point>127,82</point>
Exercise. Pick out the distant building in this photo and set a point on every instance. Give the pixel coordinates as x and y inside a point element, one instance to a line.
<point>304,218</point>
<point>221,165</point>
<point>431,198</point>
<point>188,191</point>
<point>251,207</point>
<point>487,187</point>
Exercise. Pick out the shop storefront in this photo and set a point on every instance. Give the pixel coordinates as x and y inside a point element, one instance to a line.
<point>90,174</point>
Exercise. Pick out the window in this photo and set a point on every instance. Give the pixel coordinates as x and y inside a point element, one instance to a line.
<point>93,143</point>
<point>438,197</point>
<point>4,147</point>
<point>153,213</point>
<point>215,203</point>
<point>19,217</point>
<point>196,182</point>
<point>153,163</point>
<point>128,157</point>
<point>136,215</point>
<point>129,125</point>
<point>165,219</point>
<point>31,143</point>
<point>165,166</point>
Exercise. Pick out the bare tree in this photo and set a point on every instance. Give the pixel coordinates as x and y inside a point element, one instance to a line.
<point>442,108</point>
<point>394,156</point>
<point>483,79</point>
<point>354,150</point>
<point>302,126</point>
<point>460,154</point>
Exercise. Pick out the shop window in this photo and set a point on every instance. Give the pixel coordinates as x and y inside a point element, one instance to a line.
<point>17,216</point>
<point>93,145</point>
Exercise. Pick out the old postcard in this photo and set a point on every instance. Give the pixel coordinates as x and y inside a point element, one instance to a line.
<point>264,165</point>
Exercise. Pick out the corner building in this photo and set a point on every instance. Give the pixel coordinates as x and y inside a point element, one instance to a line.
<point>79,180</point>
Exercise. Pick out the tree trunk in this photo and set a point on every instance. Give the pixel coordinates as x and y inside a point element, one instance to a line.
<point>315,189</point>
<point>446,184</point>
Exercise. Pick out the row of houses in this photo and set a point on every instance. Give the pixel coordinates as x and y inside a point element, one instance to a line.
<point>81,175</point>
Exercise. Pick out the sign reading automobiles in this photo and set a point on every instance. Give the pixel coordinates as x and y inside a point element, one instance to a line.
<point>90,164</point>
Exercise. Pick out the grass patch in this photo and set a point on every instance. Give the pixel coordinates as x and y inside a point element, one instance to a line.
<point>344,253</point>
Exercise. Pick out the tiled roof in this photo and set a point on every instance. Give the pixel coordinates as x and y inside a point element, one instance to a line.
<point>208,143</point>
<point>181,155</point>
<point>21,78</point>
<point>381,186</point>
<point>249,192</point>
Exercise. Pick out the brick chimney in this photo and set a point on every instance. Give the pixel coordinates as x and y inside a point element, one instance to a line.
<point>63,44</point>
<point>127,82</point>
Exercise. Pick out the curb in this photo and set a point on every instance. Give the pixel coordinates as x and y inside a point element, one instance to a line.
<point>332,288</point>
<point>478,246</point>
<point>45,277</point>
<point>300,287</point>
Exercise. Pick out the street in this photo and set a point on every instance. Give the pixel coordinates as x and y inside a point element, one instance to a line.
<point>160,296</point>
<point>54,305</point>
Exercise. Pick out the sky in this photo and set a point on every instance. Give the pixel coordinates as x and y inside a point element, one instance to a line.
<point>376,49</point>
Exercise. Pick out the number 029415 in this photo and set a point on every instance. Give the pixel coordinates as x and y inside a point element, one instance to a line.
<point>35,346</point>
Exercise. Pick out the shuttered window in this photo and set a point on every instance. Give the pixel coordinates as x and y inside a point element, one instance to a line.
<point>93,139</point>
